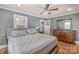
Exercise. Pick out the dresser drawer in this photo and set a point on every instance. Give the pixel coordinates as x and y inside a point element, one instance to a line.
<point>69,34</point>
<point>65,35</point>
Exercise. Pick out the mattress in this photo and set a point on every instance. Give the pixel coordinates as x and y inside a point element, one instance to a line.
<point>30,44</point>
<point>47,49</point>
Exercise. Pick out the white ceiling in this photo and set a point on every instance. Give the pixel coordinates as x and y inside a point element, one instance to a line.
<point>35,9</point>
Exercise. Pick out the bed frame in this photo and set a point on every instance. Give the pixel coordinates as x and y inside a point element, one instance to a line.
<point>53,50</point>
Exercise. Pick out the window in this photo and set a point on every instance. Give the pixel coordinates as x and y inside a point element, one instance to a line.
<point>67,24</point>
<point>64,24</point>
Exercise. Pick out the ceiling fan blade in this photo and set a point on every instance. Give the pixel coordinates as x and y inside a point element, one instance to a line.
<point>45,9</point>
<point>53,9</point>
<point>49,13</point>
<point>47,6</point>
<point>42,12</point>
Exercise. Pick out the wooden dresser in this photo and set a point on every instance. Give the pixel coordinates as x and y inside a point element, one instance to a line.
<point>65,35</point>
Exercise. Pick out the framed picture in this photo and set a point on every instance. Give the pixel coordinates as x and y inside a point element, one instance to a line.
<point>20,21</point>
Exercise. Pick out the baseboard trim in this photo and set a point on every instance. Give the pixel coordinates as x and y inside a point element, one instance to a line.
<point>77,42</point>
<point>3,46</point>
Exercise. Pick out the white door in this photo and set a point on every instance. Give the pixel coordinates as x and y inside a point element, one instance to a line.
<point>42,22</point>
<point>47,27</point>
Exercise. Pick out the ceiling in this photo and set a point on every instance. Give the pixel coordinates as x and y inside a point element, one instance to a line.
<point>35,9</point>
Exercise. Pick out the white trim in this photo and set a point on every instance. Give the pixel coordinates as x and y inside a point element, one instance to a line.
<point>77,42</point>
<point>66,14</point>
<point>17,11</point>
<point>36,15</point>
<point>3,46</point>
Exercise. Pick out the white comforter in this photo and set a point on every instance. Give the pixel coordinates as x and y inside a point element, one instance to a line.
<point>29,43</point>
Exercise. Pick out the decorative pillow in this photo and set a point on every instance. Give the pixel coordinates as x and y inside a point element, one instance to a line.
<point>31,31</point>
<point>17,33</point>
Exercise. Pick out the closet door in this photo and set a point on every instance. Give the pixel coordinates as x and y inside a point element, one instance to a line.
<point>42,23</point>
<point>47,27</point>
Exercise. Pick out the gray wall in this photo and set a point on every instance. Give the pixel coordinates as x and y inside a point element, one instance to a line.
<point>6,20</point>
<point>75,23</point>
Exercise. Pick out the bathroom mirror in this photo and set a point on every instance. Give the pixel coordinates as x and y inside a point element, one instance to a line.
<point>64,24</point>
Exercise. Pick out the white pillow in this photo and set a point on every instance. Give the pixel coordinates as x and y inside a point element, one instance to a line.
<point>31,31</point>
<point>17,33</point>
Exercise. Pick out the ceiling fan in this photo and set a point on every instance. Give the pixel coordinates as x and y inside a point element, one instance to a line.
<point>46,8</point>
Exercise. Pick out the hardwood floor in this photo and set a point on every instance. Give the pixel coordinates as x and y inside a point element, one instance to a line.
<point>63,48</point>
<point>3,51</point>
<point>67,48</point>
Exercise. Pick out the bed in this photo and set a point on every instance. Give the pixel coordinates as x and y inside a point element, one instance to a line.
<point>32,44</point>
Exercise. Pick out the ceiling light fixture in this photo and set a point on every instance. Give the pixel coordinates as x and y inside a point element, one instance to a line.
<point>69,9</point>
